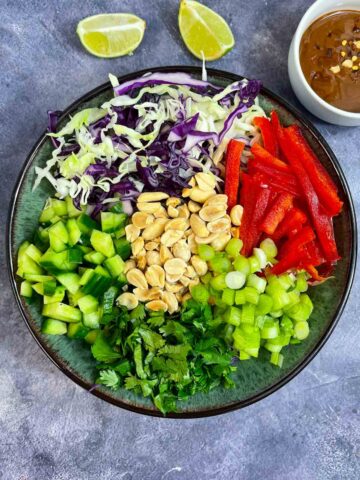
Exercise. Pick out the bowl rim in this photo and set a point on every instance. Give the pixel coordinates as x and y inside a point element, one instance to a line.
<point>59,362</point>
<point>306,20</point>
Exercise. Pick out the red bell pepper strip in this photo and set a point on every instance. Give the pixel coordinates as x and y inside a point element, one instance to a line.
<point>254,198</point>
<point>232,171</point>
<point>278,132</point>
<point>268,136</point>
<point>320,179</point>
<point>314,273</point>
<point>268,159</point>
<point>277,213</point>
<point>303,237</point>
<point>293,219</point>
<point>321,222</point>
<point>299,259</point>
<point>282,181</point>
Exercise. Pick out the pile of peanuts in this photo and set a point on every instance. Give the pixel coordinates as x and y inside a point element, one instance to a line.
<point>165,233</point>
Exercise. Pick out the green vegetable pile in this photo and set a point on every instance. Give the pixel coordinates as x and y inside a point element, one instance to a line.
<point>76,265</point>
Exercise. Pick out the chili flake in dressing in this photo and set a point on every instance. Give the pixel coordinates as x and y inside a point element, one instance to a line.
<point>330,58</point>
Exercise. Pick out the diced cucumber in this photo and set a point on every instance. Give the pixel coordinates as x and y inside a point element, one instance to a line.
<point>71,281</point>
<point>77,330</point>
<point>26,289</point>
<point>61,311</point>
<point>56,244</point>
<point>94,257</point>
<point>47,213</point>
<point>72,211</point>
<point>92,320</point>
<point>86,224</point>
<point>75,297</point>
<point>59,207</point>
<point>102,242</point>
<point>99,281</point>
<point>58,296</point>
<point>86,276</point>
<point>38,278</point>
<point>111,222</point>
<point>123,248</point>
<point>49,287</point>
<point>88,304</point>
<point>75,255</point>
<point>55,262</point>
<point>73,231</point>
<point>33,252</point>
<point>38,288</point>
<point>115,265</point>
<point>51,326</point>
<point>27,265</point>
<point>58,236</point>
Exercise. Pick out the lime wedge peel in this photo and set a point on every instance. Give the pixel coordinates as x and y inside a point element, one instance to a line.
<point>111,35</point>
<point>204,31</point>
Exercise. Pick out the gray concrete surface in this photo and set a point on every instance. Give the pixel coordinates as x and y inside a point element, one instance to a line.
<point>50,429</point>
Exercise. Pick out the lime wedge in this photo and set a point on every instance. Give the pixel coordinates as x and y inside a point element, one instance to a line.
<point>204,31</point>
<point>111,34</point>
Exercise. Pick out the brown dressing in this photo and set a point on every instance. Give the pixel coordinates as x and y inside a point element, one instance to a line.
<point>330,58</point>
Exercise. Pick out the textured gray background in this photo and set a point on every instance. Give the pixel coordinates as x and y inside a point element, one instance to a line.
<point>51,429</point>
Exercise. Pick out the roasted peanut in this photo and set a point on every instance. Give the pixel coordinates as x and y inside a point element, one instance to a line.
<point>172,212</point>
<point>148,207</point>
<point>129,264</point>
<point>221,241</point>
<point>192,243</point>
<point>154,230</point>
<point>220,225</point>
<point>173,202</point>
<point>127,300</point>
<point>198,226</point>
<point>155,276</point>
<point>206,240</point>
<point>137,245</point>
<point>141,260</point>
<point>174,287</point>
<point>152,197</point>
<point>182,250</point>
<point>199,265</point>
<point>170,300</point>
<point>153,258</point>
<point>212,212</point>
<point>219,198</point>
<point>165,254</point>
<point>152,245</point>
<point>205,181</point>
<point>161,213</point>
<point>172,278</point>
<point>177,224</point>
<point>190,272</point>
<point>200,196</point>
<point>236,215</point>
<point>132,232</point>
<point>193,207</point>
<point>170,237</point>
<point>175,266</point>
<point>145,295</point>
<point>183,211</point>
<point>137,278</point>
<point>142,219</point>
<point>157,306</point>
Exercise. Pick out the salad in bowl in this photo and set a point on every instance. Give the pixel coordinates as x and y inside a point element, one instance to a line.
<point>183,234</point>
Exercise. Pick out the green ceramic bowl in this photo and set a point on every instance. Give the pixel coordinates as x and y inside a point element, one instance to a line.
<point>255,379</point>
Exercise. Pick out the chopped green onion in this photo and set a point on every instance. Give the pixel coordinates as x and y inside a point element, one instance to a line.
<point>240,298</point>
<point>264,305</point>
<point>269,248</point>
<point>254,264</point>
<point>233,247</point>
<point>206,252</point>
<point>261,257</point>
<point>277,359</point>
<point>251,295</point>
<point>241,264</point>
<point>218,283</point>
<point>301,282</point>
<point>233,316</point>
<point>301,330</point>
<point>200,293</point>
<point>248,313</point>
<point>228,296</point>
<point>270,329</point>
<point>220,263</point>
<point>256,282</point>
<point>235,280</point>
